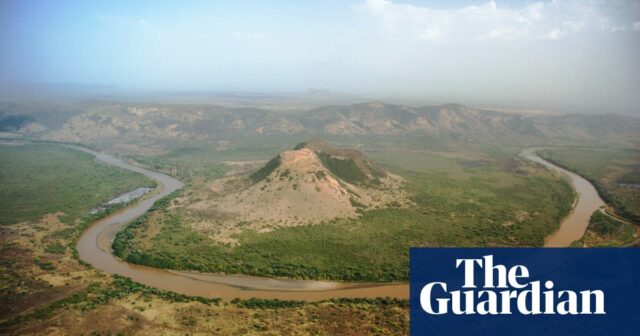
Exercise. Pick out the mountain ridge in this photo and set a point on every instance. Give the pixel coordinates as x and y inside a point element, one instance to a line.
<point>124,122</point>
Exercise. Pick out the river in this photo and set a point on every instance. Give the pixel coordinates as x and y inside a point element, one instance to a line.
<point>575,224</point>
<point>94,247</point>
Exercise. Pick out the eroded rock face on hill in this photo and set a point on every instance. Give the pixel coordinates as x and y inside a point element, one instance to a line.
<point>304,186</point>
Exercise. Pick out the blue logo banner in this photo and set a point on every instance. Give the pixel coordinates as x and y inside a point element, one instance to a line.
<point>524,291</point>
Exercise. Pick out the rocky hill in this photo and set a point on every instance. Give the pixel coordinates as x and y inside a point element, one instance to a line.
<point>306,185</point>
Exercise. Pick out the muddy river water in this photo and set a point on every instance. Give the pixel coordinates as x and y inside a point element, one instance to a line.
<point>94,247</point>
<point>574,225</point>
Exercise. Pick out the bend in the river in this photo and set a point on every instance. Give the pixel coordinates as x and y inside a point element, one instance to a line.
<point>575,224</point>
<point>94,247</point>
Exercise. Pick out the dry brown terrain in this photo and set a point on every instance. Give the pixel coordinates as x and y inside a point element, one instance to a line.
<point>26,282</point>
<point>135,316</point>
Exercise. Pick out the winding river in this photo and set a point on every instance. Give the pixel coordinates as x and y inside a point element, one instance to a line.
<point>94,247</point>
<point>575,224</point>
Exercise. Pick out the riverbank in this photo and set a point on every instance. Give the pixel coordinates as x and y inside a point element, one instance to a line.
<point>94,248</point>
<point>588,201</point>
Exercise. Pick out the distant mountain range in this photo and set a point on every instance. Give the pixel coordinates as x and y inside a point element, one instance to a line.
<point>122,122</point>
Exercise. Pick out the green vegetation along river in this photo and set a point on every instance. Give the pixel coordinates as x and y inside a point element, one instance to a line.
<point>94,247</point>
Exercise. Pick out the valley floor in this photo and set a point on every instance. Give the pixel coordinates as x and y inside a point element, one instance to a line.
<point>472,199</point>
<point>460,199</point>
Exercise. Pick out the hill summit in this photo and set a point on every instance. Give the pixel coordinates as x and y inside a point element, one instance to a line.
<point>348,165</point>
<point>308,184</point>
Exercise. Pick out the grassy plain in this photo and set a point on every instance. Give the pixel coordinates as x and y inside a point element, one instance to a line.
<point>460,200</point>
<point>615,172</point>
<point>196,165</point>
<point>47,191</point>
<point>42,179</point>
<point>44,289</point>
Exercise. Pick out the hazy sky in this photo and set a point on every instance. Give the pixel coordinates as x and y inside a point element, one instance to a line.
<point>558,54</point>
